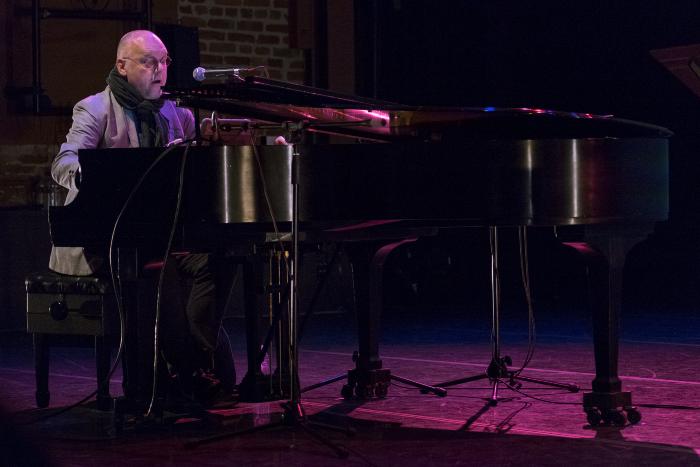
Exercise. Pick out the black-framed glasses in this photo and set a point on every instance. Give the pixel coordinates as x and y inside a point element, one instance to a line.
<point>151,62</point>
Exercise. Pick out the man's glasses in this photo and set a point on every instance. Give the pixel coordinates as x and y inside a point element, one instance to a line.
<point>151,62</point>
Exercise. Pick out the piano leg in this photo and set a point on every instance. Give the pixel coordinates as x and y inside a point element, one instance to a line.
<point>367,276</point>
<point>604,254</point>
<point>368,378</point>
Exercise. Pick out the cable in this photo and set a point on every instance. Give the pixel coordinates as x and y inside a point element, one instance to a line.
<point>268,203</point>
<point>525,276</point>
<point>504,425</point>
<point>116,286</point>
<point>513,388</point>
<point>493,245</point>
<point>530,396</point>
<point>116,280</point>
<point>413,388</point>
<point>668,406</point>
<point>266,194</point>
<point>161,276</point>
<point>293,360</point>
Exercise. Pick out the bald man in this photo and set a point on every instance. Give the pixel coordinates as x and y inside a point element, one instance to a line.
<point>130,114</point>
<point>127,114</point>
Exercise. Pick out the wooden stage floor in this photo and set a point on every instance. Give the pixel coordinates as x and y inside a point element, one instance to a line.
<point>659,361</point>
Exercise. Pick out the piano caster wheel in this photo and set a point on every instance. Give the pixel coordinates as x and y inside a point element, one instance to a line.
<point>594,417</point>
<point>634,416</point>
<point>364,391</point>
<point>614,417</point>
<point>346,391</point>
<point>381,390</point>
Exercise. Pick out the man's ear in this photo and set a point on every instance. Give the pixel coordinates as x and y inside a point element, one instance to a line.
<point>120,65</point>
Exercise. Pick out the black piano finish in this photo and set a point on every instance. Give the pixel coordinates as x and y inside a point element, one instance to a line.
<point>512,182</point>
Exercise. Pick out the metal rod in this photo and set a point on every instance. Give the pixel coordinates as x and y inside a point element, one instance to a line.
<point>375,46</point>
<point>36,56</point>
<point>495,294</point>
<point>293,296</point>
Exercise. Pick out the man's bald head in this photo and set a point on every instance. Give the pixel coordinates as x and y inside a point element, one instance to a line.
<point>140,39</point>
<point>143,60</point>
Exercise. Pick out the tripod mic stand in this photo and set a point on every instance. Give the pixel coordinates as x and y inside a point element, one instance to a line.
<point>497,371</point>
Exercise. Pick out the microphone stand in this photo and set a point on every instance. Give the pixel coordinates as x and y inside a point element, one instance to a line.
<point>294,414</point>
<point>497,371</point>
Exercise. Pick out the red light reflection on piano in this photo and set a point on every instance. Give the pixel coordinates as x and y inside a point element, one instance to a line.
<point>581,247</point>
<point>364,225</point>
<point>377,114</point>
<point>299,111</point>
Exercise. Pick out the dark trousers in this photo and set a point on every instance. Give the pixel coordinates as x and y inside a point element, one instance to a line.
<point>195,288</point>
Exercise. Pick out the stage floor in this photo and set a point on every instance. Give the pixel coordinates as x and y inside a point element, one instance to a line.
<point>659,358</point>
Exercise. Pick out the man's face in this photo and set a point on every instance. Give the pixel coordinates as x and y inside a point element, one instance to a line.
<point>144,64</point>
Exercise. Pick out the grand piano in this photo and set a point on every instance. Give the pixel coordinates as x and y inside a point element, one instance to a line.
<point>401,172</point>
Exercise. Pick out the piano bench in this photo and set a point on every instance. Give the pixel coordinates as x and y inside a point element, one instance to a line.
<point>59,305</point>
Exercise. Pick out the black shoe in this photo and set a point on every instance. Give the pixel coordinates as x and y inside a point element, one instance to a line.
<point>206,387</point>
<point>224,400</point>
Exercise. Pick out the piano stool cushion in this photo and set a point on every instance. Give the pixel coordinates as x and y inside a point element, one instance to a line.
<point>52,282</point>
<point>63,304</point>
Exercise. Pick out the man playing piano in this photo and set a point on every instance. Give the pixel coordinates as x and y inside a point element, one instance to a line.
<point>130,114</point>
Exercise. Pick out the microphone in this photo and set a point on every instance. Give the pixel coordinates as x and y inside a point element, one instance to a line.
<point>200,74</point>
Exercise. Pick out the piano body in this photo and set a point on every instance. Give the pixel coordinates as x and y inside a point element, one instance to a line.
<point>416,170</point>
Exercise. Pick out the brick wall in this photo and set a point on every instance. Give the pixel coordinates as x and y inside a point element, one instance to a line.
<point>244,32</point>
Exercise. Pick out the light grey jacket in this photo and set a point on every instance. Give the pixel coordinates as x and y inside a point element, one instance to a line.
<point>100,122</point>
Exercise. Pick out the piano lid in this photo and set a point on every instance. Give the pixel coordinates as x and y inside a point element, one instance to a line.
<point>277,102</point>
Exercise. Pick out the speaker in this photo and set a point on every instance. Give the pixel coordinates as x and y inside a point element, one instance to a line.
<point>183,47</point>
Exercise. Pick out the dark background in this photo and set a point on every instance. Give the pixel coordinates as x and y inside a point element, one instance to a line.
<point>585,56</point>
